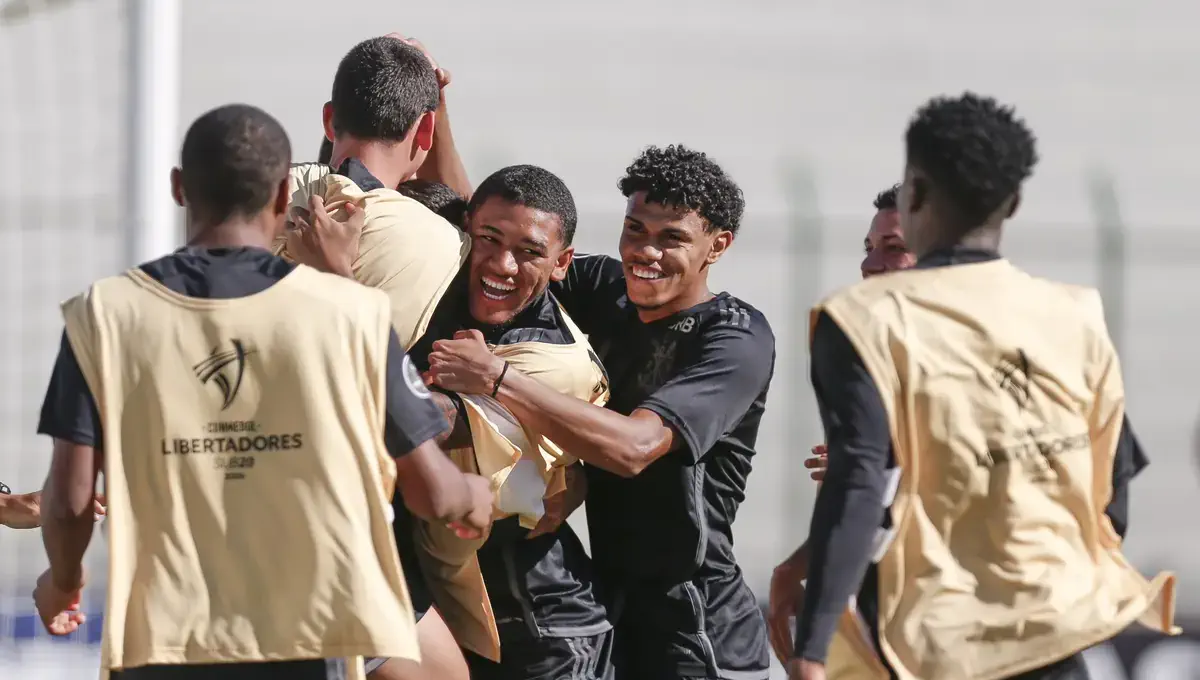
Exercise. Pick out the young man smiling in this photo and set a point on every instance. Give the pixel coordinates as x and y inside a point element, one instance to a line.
<point>539,595</point>
<point>667,461</point>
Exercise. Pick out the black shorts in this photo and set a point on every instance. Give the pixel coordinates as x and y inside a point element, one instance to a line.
<point>547,658</point>
<point>327,669</point>
<point>700,629</point>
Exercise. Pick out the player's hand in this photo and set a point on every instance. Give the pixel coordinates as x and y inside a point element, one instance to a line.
<point>818,462</point>
<point>784,602</point>
<point>479,519</point>
<point>322,242</point>
<point>24,511</point>
<point>443,76</point>
<point>465,364</point>
<point>58,607</point>
<point>559,507</point>
<point>802,669</point>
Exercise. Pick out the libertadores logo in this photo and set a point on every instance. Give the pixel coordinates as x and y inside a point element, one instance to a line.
<point>225,369</point>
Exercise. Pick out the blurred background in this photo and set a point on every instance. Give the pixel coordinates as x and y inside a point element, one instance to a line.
<point>804,103</point>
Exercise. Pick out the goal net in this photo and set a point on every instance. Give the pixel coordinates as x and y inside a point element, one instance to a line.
<point>62,144</point>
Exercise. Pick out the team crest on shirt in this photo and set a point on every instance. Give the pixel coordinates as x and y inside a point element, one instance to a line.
<point>225,368</point>
<point>1013,375</point>
<point>412,378</point>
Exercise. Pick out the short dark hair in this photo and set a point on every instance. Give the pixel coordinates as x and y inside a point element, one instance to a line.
<point>233,159</point>
<point>382,88</point>
<point>532,187</point>
<point>974,149</point>
<point>886,199</point>
<point>325,155</point>
<point>682,178</point>
<point>439,198</point>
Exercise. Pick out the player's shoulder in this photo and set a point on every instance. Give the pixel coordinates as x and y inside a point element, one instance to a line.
<point>333,292</point>
<point>597,267</point>
<point>731,316</point>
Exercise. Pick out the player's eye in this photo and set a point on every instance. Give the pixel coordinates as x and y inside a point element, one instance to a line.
<point>634,227</point>
<point>897,248</point>
<point>532,253</point>
<point>489,239</point>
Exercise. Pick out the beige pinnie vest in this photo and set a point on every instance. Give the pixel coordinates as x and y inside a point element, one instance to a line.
<point>1005,402</point>
<point>247,480</point>
<point>524,467</point>
<point>406,250</point>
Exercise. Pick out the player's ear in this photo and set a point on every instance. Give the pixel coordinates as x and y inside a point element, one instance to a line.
<point>424,132</point>
<point>562,263</point>
<point>282,198</point>
<point>1016,203</point>
<point>918,193</point>
<point>327,120</point>
<point>720,243</point>
<point>177,187</point>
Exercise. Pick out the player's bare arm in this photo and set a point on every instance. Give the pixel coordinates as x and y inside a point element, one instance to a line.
<point>24,510</point>
<point>68,519</point>
<point>623,445</point>
<point>785,600</point>
<point>459,434</point>
<point>20,511</point>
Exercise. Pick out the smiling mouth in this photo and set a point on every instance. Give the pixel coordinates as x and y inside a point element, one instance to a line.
<point>646,273</point>
<point>496,290</point>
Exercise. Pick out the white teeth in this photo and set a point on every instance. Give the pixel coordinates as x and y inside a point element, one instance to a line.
<point>646,272</point>
<point>490,285</point>
<point>498,285</point>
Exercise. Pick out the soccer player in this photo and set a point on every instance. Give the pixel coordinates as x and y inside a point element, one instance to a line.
<point>667,461</point>
<point>884,251</point>
<point>549,621</point>
<point>979,453</point>
<point>244,446</point>
<point>382,120</point>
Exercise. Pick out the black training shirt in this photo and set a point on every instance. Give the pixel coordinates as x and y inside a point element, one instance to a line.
<point>705,372</point>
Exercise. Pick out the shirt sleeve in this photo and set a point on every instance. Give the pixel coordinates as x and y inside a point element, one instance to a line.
<point>591,282</point>
<point>69,411</point>
<point>1128,462</point>
<point>708,398</point>
<point>849,507</point>
<point>412,416</point>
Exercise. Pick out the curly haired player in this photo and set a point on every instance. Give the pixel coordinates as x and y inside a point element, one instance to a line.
<point>979,454</point>
<point>667,460</point>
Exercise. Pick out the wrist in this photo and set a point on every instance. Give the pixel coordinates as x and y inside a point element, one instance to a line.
<point>66,580</point>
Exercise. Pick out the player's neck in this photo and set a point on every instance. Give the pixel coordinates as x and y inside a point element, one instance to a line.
<point>690,299</point>
<point>234,233</point>
<point>984,237</point>
<point>388,162</point>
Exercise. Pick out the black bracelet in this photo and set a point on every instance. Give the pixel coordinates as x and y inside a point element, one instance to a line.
<point>496,385</point>
<point>4,489</point>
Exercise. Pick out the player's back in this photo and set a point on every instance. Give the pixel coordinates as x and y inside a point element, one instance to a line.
<point>406,250</point>
<point>244,462</point>
<point>1005,403</point>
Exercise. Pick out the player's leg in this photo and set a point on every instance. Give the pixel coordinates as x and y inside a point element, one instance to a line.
<point>576,658</point>
<point>441,659</point>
